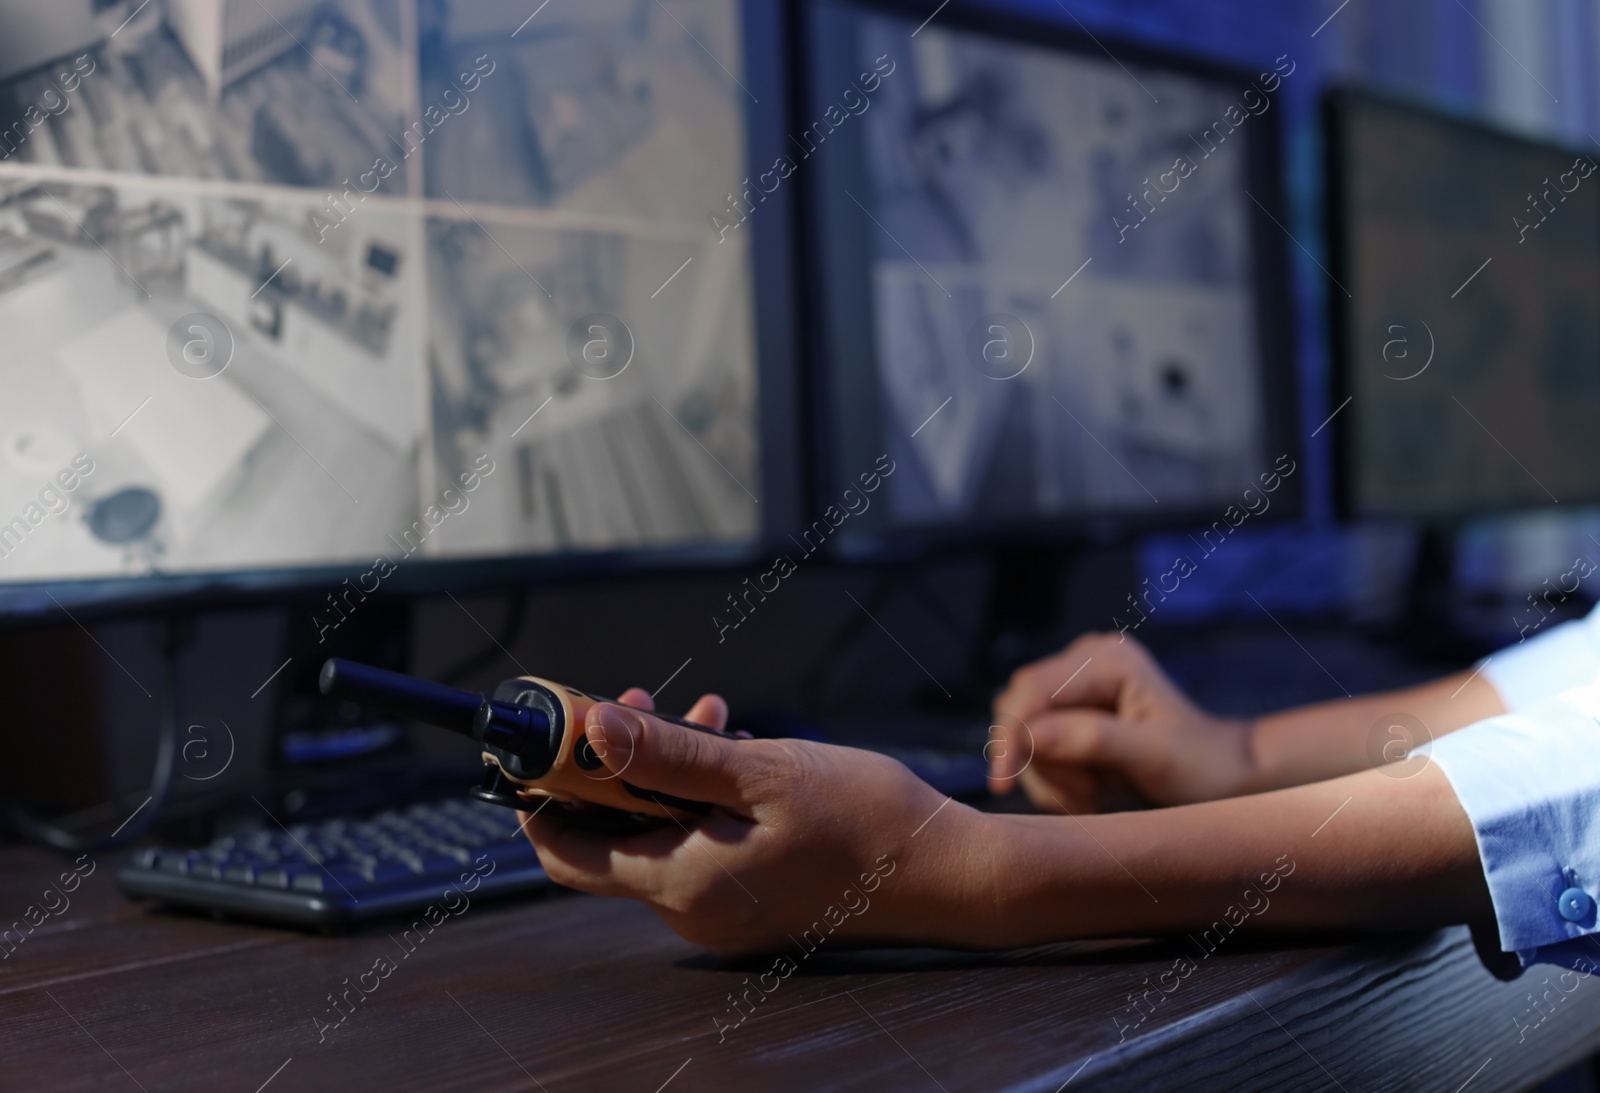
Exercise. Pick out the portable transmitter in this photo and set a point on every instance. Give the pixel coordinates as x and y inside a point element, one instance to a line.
<point>535,753</point>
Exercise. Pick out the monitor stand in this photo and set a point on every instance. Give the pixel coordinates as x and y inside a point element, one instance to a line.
<point>1021,617</point>
<point>329,757</point>
<point>1432,628</point>
<point>1043,597</point>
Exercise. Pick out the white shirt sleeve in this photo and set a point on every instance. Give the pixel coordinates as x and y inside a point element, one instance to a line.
<point>1530,784</point>
<point>1546,664</point>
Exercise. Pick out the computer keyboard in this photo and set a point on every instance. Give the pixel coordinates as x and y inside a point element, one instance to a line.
<point>339,872</point>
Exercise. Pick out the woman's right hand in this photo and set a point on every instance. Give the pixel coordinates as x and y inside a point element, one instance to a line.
<point>801,836</point>
<point>1101,713</point>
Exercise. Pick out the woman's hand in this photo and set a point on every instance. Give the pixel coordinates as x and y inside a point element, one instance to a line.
<point>1102,712</point>
<point>804,839</point>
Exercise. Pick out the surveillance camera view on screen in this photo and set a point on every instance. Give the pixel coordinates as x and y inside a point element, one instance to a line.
<point>289,283</point>
<point>1061,279</point>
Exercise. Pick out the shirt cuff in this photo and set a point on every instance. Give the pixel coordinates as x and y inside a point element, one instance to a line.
<point>1530,785</point>
<point>1544,665</point>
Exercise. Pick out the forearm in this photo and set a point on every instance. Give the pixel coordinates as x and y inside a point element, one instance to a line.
<point>1331,739</point>
<point>1396,853</point>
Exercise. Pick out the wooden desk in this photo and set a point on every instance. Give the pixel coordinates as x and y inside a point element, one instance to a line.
<point>581,993</point>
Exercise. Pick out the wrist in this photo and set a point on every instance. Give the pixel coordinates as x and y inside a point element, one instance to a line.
<point>1252,775</point>
<point>1006,881</point>
<point>998,881</point>
<point>1072,878</point>
<point>947,888</point>
<point>1215,759</point>
<point>1056,880</point>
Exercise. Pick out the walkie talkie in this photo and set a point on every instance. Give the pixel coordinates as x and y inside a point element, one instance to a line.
<point>534,746</point>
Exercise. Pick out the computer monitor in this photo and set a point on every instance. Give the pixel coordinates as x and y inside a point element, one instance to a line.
<point>1047,278</point>
<point>305,298</point>
<point>1467,321</point>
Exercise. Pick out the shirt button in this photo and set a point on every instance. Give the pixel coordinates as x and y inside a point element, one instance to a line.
<point>1575,905</point>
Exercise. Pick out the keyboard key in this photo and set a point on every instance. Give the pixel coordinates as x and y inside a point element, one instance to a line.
<point>333,880</point>
<point>438,865</point>
<point>283,876</point>
<point>386,873</point>
<point>173,861</point>
<point>459,855</point>
<point>461,836</point>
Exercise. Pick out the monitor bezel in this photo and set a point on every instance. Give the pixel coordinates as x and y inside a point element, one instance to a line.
<point>1275,333</point>
<point>774,304</point>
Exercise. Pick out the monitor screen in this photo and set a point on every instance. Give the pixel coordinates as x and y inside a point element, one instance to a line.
<point>296,288</point>
<point>1469,341</point>
<point>1047,277</point>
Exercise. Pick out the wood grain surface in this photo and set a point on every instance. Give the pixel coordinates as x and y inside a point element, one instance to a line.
<point>576,992</point>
